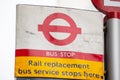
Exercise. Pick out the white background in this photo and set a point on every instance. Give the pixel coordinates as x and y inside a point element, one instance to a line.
<point>8,25</point>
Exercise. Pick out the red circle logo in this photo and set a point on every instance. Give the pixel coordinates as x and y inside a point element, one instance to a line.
<point>46,28</point>
<point>100,4</point>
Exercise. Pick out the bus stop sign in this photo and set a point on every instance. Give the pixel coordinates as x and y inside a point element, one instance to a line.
<point>109,7</point>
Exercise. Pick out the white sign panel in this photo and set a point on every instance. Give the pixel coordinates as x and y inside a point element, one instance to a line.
<point>114,3</point>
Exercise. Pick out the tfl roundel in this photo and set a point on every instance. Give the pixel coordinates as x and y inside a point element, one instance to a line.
<point>46,28</point>
<point>107,6</point>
